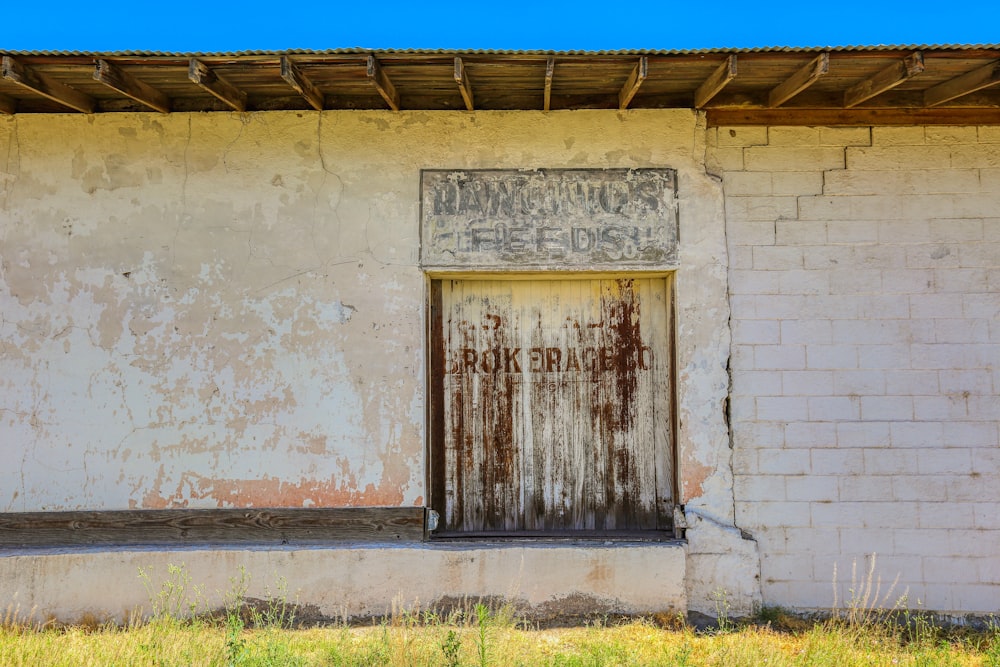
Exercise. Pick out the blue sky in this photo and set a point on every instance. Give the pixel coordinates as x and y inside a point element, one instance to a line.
<point>145,25</point>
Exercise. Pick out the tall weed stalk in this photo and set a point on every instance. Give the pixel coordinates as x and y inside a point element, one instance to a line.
<point>866,605</point>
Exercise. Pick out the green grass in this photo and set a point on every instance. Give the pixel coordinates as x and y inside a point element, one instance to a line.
<point>486,637</point>
<point>179,629</point>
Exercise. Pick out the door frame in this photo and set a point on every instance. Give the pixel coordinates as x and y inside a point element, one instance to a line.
<point>435,409</point>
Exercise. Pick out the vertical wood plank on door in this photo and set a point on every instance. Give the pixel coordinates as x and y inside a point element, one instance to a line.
<point>663,450</point>
<point>578,407</point>
<point>439,478</point>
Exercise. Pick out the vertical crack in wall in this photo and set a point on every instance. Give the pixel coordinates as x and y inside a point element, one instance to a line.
<point>187,168</point>
<point>727,401</point>
<point>183,214</point>
<point>320,189</point>
<point>335,211</point>
<point>245,120</point>
<point>719,551</point>
<point>727,406</point>
<point>13,156</point>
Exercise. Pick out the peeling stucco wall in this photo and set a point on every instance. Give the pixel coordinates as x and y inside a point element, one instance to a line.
<point>215,310</point>
<point>204,311</point>
<point>723,561</point>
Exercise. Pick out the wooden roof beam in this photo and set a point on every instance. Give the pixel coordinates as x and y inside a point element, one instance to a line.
<point>8,105</point>
<point>635,79</point>
<point>118,79</point>
<point>714,84</point>
<point>294,77</point>
<point>464,85</point>
<point>856,117</point>
<point>799,81</point>
<point>382,84</point>
<point>202,75</point>
<point>41,84</point>
<point>550,72</point>
<point>885,79</point>
<point>970,82</point>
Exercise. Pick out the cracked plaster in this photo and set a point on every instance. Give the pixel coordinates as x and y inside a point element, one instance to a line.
<point>213,310</point>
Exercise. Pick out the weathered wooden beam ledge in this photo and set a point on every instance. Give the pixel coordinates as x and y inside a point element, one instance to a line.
<point>118,79</point>
<point>855,117</point>
<point>714,84</point>
<point>464,85</point>
<point>635,80</point>
<point>202,75</point>
<point>380,80</point>
<point>802,79</point>
<point>182,527</point>
<point>970,82</point>
<point>301,83</point>
<point>8,105</point>
<point>41,84</point>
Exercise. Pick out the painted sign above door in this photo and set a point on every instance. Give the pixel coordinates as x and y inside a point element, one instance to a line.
<point>582,219</point>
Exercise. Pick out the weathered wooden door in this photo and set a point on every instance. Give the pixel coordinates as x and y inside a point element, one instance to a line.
<point>550,405</point>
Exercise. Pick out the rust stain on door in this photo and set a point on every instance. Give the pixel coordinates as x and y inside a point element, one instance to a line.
<point>551,405</point>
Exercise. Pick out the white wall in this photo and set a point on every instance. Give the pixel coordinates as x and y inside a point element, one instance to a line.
<point>209,310</point>
<point>214,310</point>
<point>865,291</point>
<point>204,311</point>
<point>226,310</point>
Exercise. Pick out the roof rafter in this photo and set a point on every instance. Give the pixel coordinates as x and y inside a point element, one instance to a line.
<point>550,72</point>
<point>635,79</point>
<point>118,79</point>
<point>970,82</point>
<point>799,81</point>
<point>714,84</point>
<point>885,79</point>
<point>45,86</point>
<point>954,79</point>
<point>464,85</point>
<point>202,75</point>
<point>294,77</point>
<point>378,78</point>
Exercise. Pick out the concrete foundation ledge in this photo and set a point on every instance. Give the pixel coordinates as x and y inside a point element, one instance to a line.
<point>543,581</point>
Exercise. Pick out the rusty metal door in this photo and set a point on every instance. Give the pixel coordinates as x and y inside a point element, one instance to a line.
<point>551,405</point>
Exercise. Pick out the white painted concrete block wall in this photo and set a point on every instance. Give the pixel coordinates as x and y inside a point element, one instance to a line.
<point>865,290</point>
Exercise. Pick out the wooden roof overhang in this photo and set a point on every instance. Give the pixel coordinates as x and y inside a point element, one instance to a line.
<point>882,85</point>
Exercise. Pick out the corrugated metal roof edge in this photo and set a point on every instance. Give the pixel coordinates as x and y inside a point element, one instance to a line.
<point>529,52</point>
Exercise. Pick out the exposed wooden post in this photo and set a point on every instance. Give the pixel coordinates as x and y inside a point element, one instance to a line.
<point>886,79</point>
<point>41,84</point>
<point>718,80</point>
<point>118,79</point>
<point>202,75</point>
<point>970,82</point>
<point>635,80</point>
<point>382,84</point>
<point>799,81</point>
<point>301,83</point>
<point>550,71</point>
<point>464,85</point>
<point>8,105</point>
